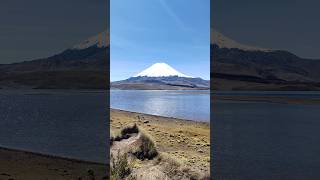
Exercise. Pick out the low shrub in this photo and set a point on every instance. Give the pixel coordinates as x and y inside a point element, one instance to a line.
<point>147,148</point>
<point>174,169</point>
<point>171,166</point>
<point>120,167</point>
<point>129,130</point>
<point>124,134</point>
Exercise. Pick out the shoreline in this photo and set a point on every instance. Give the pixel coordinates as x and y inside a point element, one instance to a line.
<point>269,99</point>
<point>159,116</point>
<point>186,141</point>
<point>33,153</point>
<point>22,164</point>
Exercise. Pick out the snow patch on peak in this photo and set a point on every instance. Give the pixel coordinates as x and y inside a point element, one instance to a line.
<point>225,42</point>
<point>100,40</point>
<point>160,70</point>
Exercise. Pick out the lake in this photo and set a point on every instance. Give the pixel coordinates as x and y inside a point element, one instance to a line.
<point>191,105</point>
<point>64,123</point>
<point>252,140</point>
<point>265,140</point>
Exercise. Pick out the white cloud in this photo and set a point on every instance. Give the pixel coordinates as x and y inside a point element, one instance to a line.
<point>172,14</point>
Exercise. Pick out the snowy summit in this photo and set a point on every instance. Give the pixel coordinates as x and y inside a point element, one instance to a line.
<point>160,70</point>
<point>100,40</point>
<point>225,42</point>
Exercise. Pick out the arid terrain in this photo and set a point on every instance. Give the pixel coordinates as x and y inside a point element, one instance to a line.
<point>16,165</point>
<point>176,149</point>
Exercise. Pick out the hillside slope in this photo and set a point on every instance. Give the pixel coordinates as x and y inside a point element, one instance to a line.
<point>240,67</point>
<point>83,66</point>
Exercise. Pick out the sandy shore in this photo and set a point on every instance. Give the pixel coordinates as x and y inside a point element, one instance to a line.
<point>16,164</point>
<point>186,141</point>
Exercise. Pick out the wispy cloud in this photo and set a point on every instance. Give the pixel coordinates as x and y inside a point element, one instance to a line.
<point>173,15</point>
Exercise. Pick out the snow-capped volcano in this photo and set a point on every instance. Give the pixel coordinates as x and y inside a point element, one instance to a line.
<point>160,70</point>
<point>225,42</point>
<point>161,76</point>
<point>100,40</point>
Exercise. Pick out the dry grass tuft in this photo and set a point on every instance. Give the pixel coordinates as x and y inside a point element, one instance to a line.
<point>125,133</point>
<point>186,141</point>
<point>120,167</point>
<point>146,148</point>
<point>174,169</point>
<point>129,130</point>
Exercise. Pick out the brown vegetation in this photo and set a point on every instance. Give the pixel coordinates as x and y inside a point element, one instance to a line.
<point>163,148</point>
<point>119,166</point>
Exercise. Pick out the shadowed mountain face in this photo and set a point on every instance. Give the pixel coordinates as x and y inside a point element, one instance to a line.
<point>161,83</point>
<point>236,68</point>
<point>74,68</point>
<point>92,58</point>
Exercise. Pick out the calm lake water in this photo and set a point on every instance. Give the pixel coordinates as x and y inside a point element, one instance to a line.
<point>191,105</point>
<point>251,140</point>
<point>64,123</point>
<point>261,140</point>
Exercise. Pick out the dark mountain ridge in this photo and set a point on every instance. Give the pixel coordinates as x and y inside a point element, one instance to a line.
<point>72,69</point>
<point>161,83</point>
<point>237,69</point>
<point>92,58</point>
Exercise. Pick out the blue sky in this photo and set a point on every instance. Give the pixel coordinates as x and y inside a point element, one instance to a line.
<point>36,29</point>
<point>144,32</point>
<point>291,25</point>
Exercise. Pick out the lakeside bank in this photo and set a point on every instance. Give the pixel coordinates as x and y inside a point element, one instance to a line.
<point>19,164</point>
<point>186,141</point>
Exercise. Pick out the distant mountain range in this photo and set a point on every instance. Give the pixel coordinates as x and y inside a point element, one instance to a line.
<point>161,76</point>
<point>235,66</point>
<point>83,66</point>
